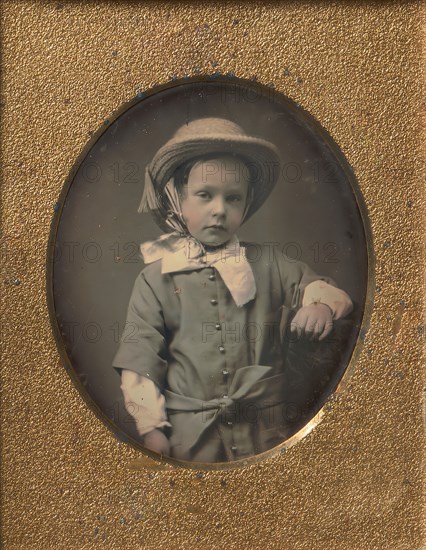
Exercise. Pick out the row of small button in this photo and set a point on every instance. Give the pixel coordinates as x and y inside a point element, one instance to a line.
<point>214,302</point>
<point>225,372</point>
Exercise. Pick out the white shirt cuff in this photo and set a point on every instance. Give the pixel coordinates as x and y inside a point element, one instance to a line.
<point>143,401</point>
<point>336,299</point>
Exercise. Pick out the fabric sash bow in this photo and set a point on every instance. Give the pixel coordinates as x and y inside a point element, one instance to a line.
<point>248,389</point>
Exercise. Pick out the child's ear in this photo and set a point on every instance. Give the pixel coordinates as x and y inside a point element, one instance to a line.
<point>180,193</point>
<point>183,191</point>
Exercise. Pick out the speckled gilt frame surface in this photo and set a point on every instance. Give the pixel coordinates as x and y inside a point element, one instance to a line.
<point>355,481</point>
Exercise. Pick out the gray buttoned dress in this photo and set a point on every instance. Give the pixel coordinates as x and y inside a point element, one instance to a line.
<point>222,368</point>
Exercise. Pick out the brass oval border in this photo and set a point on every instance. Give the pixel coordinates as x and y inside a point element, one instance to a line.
<point>368,306</point>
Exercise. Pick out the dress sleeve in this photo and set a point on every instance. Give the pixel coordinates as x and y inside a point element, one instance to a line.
<point>306,287</point>
<point>143,347</point>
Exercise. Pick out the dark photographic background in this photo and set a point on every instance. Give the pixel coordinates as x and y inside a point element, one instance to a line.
<point>312,214</point>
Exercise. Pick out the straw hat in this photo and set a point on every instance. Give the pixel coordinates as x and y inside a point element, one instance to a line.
<point>205,136</point>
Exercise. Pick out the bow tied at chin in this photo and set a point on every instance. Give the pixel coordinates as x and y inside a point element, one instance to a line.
<point>194,249</point>
<point>179,252</point>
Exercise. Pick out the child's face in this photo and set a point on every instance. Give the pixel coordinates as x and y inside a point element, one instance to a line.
<point>214,199</point>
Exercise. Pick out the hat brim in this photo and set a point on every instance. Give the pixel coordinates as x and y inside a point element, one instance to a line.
<point>262,159</point>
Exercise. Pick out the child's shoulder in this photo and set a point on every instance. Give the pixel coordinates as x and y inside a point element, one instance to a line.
<point>151,280</point>
<point>152,273</point>
<point>271,255</point>
<point>268,252</point>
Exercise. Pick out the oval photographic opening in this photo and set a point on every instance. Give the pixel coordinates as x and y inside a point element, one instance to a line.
<point>208,271</point>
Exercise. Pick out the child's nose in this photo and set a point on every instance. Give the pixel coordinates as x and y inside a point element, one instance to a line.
<point>219,206</point>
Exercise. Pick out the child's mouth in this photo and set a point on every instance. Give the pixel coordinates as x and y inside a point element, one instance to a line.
<point>216,227</point>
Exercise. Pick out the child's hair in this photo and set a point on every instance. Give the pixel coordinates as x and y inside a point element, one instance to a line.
<point>182,172</point>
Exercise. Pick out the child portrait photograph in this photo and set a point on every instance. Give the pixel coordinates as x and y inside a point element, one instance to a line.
<point>209,271</point>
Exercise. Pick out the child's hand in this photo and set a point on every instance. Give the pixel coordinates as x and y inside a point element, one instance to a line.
<point>313,322</point>
<point>156,441</point>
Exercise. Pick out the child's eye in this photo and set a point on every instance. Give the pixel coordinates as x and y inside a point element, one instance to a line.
<point>203,195</point>
<point>234,198</point>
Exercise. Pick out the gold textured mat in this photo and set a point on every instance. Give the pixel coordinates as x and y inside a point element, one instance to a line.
<point>355,481</point>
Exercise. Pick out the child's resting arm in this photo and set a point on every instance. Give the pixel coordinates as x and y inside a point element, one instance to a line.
<point>304,287</point>
<point>336,299</point>
<point>316,299</point>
